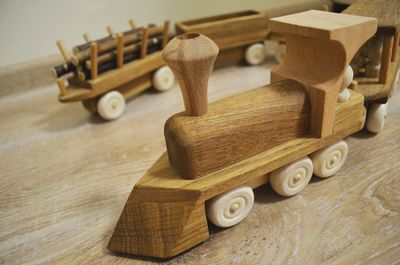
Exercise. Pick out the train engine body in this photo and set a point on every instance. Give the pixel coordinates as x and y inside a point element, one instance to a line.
<point>282,133</point>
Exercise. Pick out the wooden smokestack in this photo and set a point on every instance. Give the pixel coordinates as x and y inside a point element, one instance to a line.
<point>191,57</point>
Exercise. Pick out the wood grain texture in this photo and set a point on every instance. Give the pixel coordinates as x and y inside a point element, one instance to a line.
<point>386,11</point>
<point>191,58</point>
<point>229,30</point>
<point>161,217</point>
<point>314,37</point>
<point>237,127</point>
<point>66,175</point>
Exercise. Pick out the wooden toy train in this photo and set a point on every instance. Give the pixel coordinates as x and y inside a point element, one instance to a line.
<point>280,133</point>
<point>104,73</point>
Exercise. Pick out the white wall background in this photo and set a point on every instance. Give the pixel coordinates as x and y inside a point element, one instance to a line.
<point>29,28</point>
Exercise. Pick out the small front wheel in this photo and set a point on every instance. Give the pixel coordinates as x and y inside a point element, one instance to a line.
<point>292,178</point>
<point>163,79</point>
<point>111,105</point>
<point>376,117</point>
<point>255,54</point>
<point>330,159</point>
<point>231,207</point>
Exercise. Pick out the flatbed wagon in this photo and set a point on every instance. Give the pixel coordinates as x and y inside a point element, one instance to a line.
<point>111,70</point>
<point>376,65</point>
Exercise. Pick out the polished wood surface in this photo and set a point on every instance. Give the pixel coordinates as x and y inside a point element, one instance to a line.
<point>66,175</point>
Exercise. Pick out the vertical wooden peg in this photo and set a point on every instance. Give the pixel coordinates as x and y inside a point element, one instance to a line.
<point>132,23</point>
<point>191,57</point>
<point>61,86</point>
<point>395,47</point>
<point>65,54</point>
<point>165,34</point>
<point>111,31</point>
<point>93,60</point>
<point>87,37</point>
<point>120,50</point>
<point>385,60</point>
<point>143,48</point>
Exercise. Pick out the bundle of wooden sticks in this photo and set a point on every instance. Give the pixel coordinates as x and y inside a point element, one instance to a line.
<point>95,57</point>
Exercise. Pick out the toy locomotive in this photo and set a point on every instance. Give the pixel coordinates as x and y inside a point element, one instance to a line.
<point>280,133</point>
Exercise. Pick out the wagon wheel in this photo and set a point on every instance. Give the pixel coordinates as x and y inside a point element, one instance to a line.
<point>230,208</point>
<point>90,105</point>
<point>292,178</point>
<point>111,105</point>
<point>255,54</point>
<point>163,79</point>
<point>330,159</point>
<point>377,113</point>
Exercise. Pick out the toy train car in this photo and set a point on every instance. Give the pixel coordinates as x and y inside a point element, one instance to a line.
<point>280,133</point>
<point>108,71</point>
<point>376,64</point>
<point>246,34</point>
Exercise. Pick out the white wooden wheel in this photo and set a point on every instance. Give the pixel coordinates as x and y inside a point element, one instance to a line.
<point>377,113</point>
<point>330,159</point>
<point>111,105</point>
<point>231,207</point>
<point>292,178</point>
<point>255,54</point>
<point>163,79</point>
<point>280,52</point>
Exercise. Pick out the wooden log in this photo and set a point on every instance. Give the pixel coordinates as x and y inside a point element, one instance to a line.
<point>153,45</point>
<point>93,59</point>
<point>84,71</point>
<point>145,38</point>
<point>86,46</point>
<point>62,69</point>
<point>110,44</point>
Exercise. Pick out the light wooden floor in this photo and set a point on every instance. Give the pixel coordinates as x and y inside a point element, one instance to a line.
<point>66,175</point>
